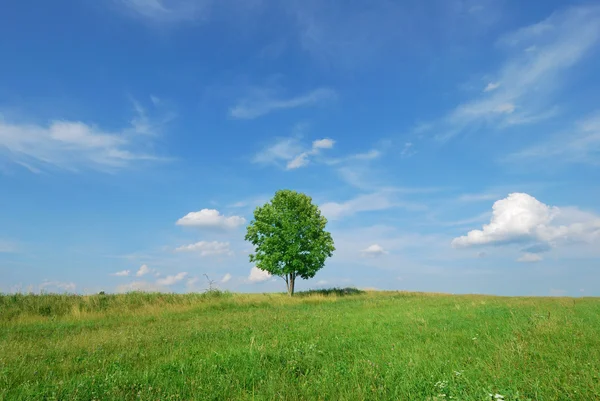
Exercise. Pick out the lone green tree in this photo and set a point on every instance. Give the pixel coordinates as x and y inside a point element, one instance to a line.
<point>289,237</point>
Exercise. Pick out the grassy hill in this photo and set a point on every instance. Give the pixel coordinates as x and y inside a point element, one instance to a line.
<point>321,346</point>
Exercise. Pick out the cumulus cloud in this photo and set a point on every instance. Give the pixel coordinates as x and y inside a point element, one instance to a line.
<point>227,277</point>
<point>521,218</point>
<point>530,258</point>
<point>205,248</point>
<point>73,145</point>
<point>374,250</point>
<point>258,276</point>
<point>263,101</point>
<point>171,280</point>
<point>123,273</point>
<point>210,218</point>
<point>143,270</point>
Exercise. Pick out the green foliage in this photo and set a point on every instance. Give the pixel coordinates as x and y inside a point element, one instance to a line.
<point>340,292</point>
<point>289,237</point>
<point>324,346</point>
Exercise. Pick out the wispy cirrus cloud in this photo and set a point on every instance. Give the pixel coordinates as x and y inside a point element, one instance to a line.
<point>57,286</point>
<point>291,153</point>
<point>530,258</point>
<point>350,35</point>
<point>478,197</point>
<point>173,12</point>
<point>580,145</point>
<point>207,248</point>
<point>262,101</point>
<point>167,10</point>
<point>76,145</point>
<point>171,280</point>
<point>538,60</point>
<point>377,201</point>
<point>122,273</point>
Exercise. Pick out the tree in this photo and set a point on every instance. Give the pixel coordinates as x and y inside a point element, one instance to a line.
<point>289,237</point>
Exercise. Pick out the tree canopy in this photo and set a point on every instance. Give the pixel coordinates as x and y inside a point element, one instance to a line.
<point>289,237</point>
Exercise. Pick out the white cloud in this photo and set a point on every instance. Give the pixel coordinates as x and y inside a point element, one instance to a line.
<point>226,278</point>
<point>206,248</point>
<point>323,144</point>
<point>381,200</point>
<point>284,149</point>
<point>167,10</point>
<point>506,108</point>
<point>374,250</point>
<point>408,150</point>
<point>210,218</point>
<point>140,286</point>
<point>171,280</point>
<point>491,86</point>
<point>530,78</point>
<point>292,152</point>
<point>263,101</point>
<point>582,145</point>
<point>299,161</point>
<point>258,276</point>
<point>522,218</point>
<point>530,258</point>
<point>123,273</point>
<point>477,197</point>
<point>191,282</point>
<point>321,283</point>
<point>57,285</point>
<point>144,269</point>
<point>74,144</point>
<point>366,156</point>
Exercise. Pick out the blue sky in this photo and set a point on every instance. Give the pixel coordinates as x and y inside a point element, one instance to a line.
<point>453,145</point>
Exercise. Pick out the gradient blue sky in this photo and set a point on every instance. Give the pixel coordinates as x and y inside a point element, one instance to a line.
<point>453,145</point>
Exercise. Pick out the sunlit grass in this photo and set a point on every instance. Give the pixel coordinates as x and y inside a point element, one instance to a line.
<point>329,345</point>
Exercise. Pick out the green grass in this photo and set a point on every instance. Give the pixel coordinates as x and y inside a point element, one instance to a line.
<point>317,346</point>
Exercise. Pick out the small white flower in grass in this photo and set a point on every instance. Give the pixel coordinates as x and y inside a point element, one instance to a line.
<point>498,396</point>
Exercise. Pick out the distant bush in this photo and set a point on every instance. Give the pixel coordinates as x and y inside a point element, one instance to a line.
<point>333,291</point>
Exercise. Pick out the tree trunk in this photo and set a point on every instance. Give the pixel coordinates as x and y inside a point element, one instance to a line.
<point>292,284</point>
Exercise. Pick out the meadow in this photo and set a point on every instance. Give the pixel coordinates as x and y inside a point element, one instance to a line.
<point>327,345</point>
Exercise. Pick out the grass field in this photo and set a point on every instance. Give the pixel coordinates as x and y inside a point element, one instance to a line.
<point>366,346</point>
